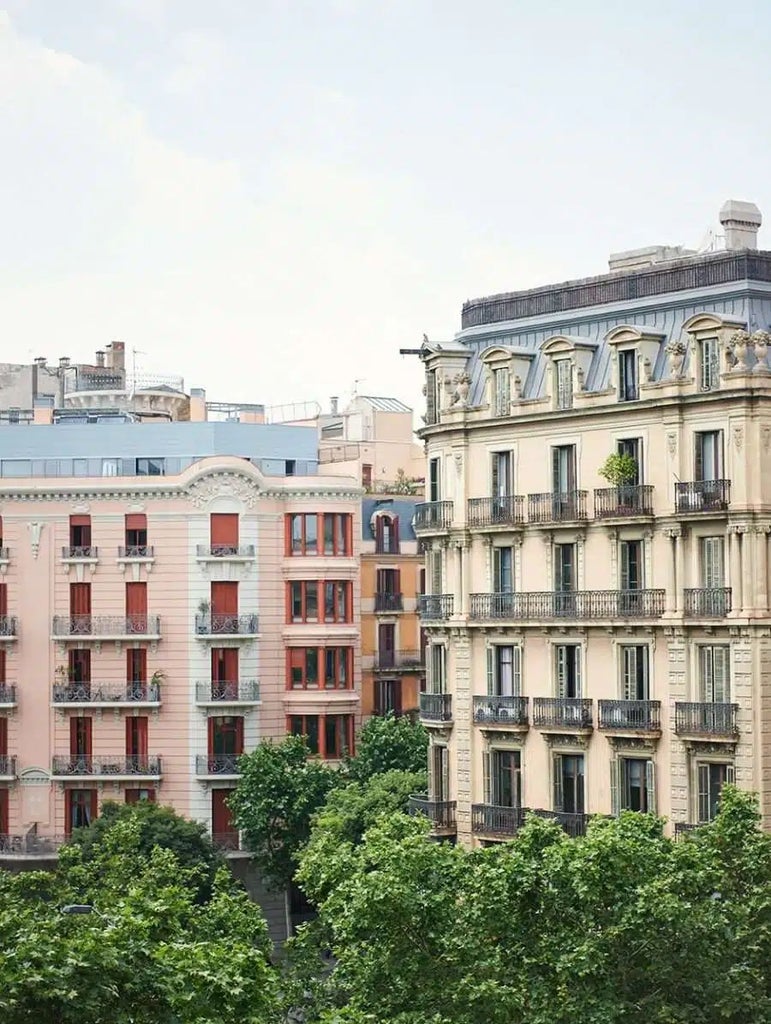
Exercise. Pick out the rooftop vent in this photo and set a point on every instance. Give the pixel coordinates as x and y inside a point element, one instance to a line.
<point>740,221</point>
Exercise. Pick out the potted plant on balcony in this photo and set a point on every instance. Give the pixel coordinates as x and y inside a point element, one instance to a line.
<point>158,677</point>
<point>620,470</point>
<point>203,611</point>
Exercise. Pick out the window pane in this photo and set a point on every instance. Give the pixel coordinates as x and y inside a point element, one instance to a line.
<point>311,601</point>
<point>329,534</point>
<point>311,667</point>
<point>311,535</point>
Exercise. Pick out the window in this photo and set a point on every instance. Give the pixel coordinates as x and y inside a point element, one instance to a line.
<point>329,736</point>
<point>568,772</point>
<point>136,742</point>
<point>436,565</point>
<point>307,726</point>
<point>563,462</point>
<point>564,568</point>
<point>136,674</point>
<point>110,467</point>
<point>501,392</point>
<point>714,674</point>
<point>386,534</point>
<point>388,581</point>
<point>434,480</point>
<point>223,533</point>
<point>150,467</point>
<point>632,446</point>
<point>303,601</point>
<point>711,779</point>
<point>337,601</point>
<point>438,772</point>
<point>80,607</point>
<point>437,668</point>
<point>3,737</point>
<point>303,534</point>
<point>635,684</point>
<point>80,534</point>
<point>225,741</point>
<point>502,778</point>
<point>136,534</point>
<point>627,375</point>
<point>386,644</point>
<point>708,455</point>
<point>3,599</point>
<point>503,570</point>
<point>501,474</point>
<point>338,533</point>
<point>337,668</point>
<point>632,785</point>
<point>80,738</point>
<point>3,812</point>
<point>712,559</point>
<point>290,466</point>
<point>136,607</point>
<point>567,663</point>
<point>224,672</point>
<point>630,565</point>
<point>366,476</point>
<point>504,670</point>
<point>563,369</point>
<point>388,696</point>
<point>306,663</point>
<point>79,671</point>
<point>79,808</point>
<point>709,367</point>
<point>139,796</point>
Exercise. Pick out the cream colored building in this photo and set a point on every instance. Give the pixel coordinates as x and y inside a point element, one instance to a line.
<point>595,647</point>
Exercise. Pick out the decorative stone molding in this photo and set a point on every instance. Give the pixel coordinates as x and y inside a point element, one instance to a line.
<point>222,485</point>
<point>737,433</point>
<point>672,443</point>
<point>676,350</point>
<point>35,530</point>
<point>561,740</point>
<point>760,342</point>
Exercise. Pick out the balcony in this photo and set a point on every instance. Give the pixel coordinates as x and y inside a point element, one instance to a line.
<point>625,502</point>
<point>485,513</point>
<point>217,692</point>
<point>683,829</point>
<point>30,845</point>
<point>441,813</point>
<point>113,767</point>
<point>706,720</point>
<point>93,694</point>
<point>214,624</point>
<point>80,553</point>
<point>226,842</point>
<point>387,602</point>
<point>435,707</point>
<point>562,713</point>
<point>535,606</point>
<point>9,627</point>
<point>136,553</point>
<point>502,711</point>
<point>574,823</point>
<point>435,607</point>
<point>494,820</point>
<point>707,602</point>
<point>401,661</point>
<point>433,517</point>
<point>702,496</point>
<point>106,627</point>
<point>7,696</point>
<point>224,552</point>
<point>7,767</point>
<point>5,555</point>
<point>626,716</point>
<point>557,507</point>
<point>217,766</point>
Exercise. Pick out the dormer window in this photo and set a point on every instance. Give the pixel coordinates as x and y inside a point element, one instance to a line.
<point>709,367</point>
<point>628,390</point>
<point>501,392</point>
<point>564,372</point>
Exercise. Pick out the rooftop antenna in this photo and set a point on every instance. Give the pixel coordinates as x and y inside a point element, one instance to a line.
<point>357,381</point>
<point>134,353</point>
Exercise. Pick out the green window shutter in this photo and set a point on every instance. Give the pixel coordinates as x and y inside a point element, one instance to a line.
<point>579,681</point>
<point>486,777</point>
<point>698,456</point>
<point>703,774</point>
<point>706,674</point>
<point>720,674</point>
<point>730,775</point>
<point>560,655</point>
<point>516,671</point>
<point>557,773</point>
<point>491,670</point>
<point>650,786</point>
<point>629,664</point>
<point>615,802</point>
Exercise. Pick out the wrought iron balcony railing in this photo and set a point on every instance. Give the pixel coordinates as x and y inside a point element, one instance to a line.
<point>7,766</point>
<point>106,625</point>
<point>136,551</point>
<point>706,719</point>
<point>388,602</point>
<point>405,661</point>
<point>106,693</point>
<point>243,691</point>
<point>632,715</point>
<point>227,842</point>
<point>492,710</point>
<point>707,602</point>
<point>75,551</point>
<point>433,516</point>
<point>683,829</point>
<point>557,507</point>
<point>441,813</point>
<point>435,707</point>
<point>702,496</point>
<point>574,823</point>
<point>5,554</point>
<point>7,694</point>
<point>224,550</point>
<point>108,764</point>
<point>435,607</point>
<point>495,820</point>
<point>217,764</point>
<point>576,604</point>
<point>227,625</point>
<point>9,625</point>
<point>562,712</point>
<point>503,511</point>
<point>627,500</point>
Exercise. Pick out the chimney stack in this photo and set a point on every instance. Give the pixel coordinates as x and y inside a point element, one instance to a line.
<point>64,362</point>
<point>740,221</point>
<point>333,405</point>
<point>100,357</point>
<point>116,355</point>
<point>40,361</point>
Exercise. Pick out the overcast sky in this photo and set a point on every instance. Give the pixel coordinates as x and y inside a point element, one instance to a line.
<point>271,197</point>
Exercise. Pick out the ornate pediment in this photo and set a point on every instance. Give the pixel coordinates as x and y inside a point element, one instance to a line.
<point>210,487</point>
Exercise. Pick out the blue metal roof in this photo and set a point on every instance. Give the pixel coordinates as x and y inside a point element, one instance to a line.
<point>401,506</point>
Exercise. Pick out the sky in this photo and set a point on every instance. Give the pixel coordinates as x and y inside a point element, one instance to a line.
<point>272,197</point>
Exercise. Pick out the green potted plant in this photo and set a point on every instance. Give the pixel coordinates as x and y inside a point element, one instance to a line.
<point>158,677</point>
<point>620,470</point>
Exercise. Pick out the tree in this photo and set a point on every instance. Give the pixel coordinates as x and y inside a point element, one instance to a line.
<point>623,925</point>
<point>389,743</point>
<point>148,954</point>
<point>280,789</point>
<point>158,826</point>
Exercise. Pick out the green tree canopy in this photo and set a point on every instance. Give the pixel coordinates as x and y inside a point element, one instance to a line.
<point>389,743</point>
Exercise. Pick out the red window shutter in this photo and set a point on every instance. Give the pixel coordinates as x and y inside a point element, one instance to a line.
<point>81,736</point>
<point>80,598</point>
<point>379,533</point>
<point>221,821</point>
<point>136,665</point>
<point>136,737</point>
<point>1,530</point>
<point>2,666</point>
<point>93,801</point>
<point>3,598</point>
<point>136,521</point>
<point>224,598</point>
<point>211,726</point>
<point>80,520</point>
<point>3,812</point>
<point>230,660</point>
<point>239,736</point>
<point>224,529</point>
<point>136,599</point>
<point>3,737</point>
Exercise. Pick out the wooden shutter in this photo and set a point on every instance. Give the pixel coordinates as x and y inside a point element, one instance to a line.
<point>3,812</point>
<point>698,456</point>
<point>703,782</point>
<point>81,736</point>
<point>224,529</point>
<point>224,598</point>
<point>730,775</point>
<point>379,535</point>
<point>712,562</point>
<point>3,598</point>
<point>221,820</point>
<point>136,738</point>
<point>635,672</point>
<point>80,598</point>
<point>491,681</point>
<point>3,737</point>
<point>516,671</point>
<point>720,675</point>
<point>136,599</point>
<point>238,735</point>
<point>136,665</point>
<point>650,787</point>
<point>556,475</point>
<point>487,795</point>
<point>556,762</point>
<point>431,396</point>
<point>436,572</point>
<point>615,797</point>
<point>561,663</point>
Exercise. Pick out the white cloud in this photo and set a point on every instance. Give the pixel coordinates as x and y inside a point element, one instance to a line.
<point>197,58</point>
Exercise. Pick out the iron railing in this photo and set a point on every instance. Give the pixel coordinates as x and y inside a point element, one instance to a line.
<point>441,813</point>
<point>705,719</point>
<point>228,842</point>
<point>642,715</point>
<point>707,602</point>
<point>576,604</point>
<point>106,625</point>
<point>702,496</point>
<point>557,507</point>
<point>406,661</point>
<point>73,551</point>
<point>433,516</point>
<point>435,607</point>
<point>7,766</point>
<point>495,820</point>
<point>624,500</point>
<point>574,823</point>
<point>435,707</point>
<point>106,693</point>
<point>243,691</point>
<point>229,625</point>
<point>388,602</point>
<point>683,829</point>
<point>30,845</point>
<point>136,551</point>
<point>562,712</point>
<point>504,511</point>
<point>225,550</point>
<point>5,554</point>
<point>8,625</point>
<point>107,764</point>
<point>7,694</point>
<point>503,710</point>
<point>217,764</point>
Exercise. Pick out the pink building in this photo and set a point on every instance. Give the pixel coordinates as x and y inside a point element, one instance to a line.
<point>170,594</point>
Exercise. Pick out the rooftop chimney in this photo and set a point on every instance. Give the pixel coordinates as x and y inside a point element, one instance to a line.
<point>116,353</point>
<point>100,357</point>
<point>40,360</point>
<point>741,222</point>
<point>333,405</point>
<point>64,362</point>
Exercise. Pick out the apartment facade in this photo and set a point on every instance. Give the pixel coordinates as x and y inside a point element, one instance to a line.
<point>601,644</point>
<point>170,594</point>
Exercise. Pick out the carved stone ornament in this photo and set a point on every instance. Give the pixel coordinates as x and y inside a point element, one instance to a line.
<point>458,456</point>
<point>208,488</point>
<point>462,383</point>
<point>738,436</point>
<point>35,529</point>
<point>676,350</point>
<point>760,341</point>
<point>672,443</point>
<point>765,436</point>
<point>738,343</point>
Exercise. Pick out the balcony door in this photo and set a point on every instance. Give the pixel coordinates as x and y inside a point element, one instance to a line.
<point>711,779</point>
<point>224,606</point>
<point>81,739</point>
<point>80,607</point>
<point>635,683</point>
<point>632,785</point>
<point>708,455</point>
<point>501,475</point>
<point>503,570</point>
<point>504,675</point>
<point>226,736</point>
<point>223,532</point>
<point>136,673</point>
<point>136,607</point>
<point>439,773</point>
<point>386,644</point>
<point>79,671</point>
<point>224,672</point>
<point>563,466</point>
<point>434,480</point>
<point>714,674</point>
<point>223,827</point>
<point>80,806</point>
<point>137,740</point>
<point>567,658</point>
<point>632,446</point>
<point>569,783</point>
<point>712,563</point>
<point>503,778</point>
